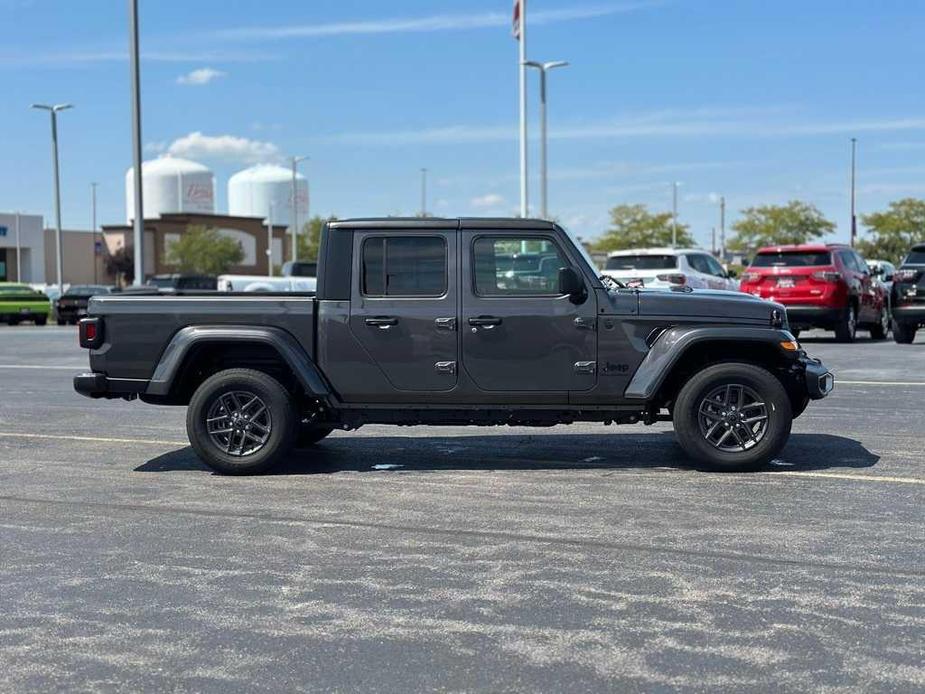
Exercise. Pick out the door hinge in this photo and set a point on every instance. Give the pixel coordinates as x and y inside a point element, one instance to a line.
<point>445,324</point>
<point>585,367</point>
<point>445,367</point>
<point>583,323</point>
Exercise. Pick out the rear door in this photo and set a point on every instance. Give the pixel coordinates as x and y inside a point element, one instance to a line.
<point>518,333</point>
<point>404,306</point>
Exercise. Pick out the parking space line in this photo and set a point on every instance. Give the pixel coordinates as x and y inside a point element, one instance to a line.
<point>839,382</point>
<point>43,367</point>
<point>846,476</point>
<point>89,439</point>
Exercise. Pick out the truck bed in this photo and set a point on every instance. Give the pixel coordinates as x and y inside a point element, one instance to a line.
<point>139,327</point>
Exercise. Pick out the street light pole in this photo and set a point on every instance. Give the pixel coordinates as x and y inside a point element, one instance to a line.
<point>18,248</point>
<point>53,110</point>
<point>93,228</point>
<point>722,227</point>
<point>674,214</point>
<point>544,180</point>
<point>138,223</point>
<point>423,193</point>
<point>270,240</point>
<point>854,219</point>
<point>295,207</point>
<point>520,30</point>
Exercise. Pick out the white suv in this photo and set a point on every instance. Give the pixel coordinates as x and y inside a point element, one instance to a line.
<point>669,267</point>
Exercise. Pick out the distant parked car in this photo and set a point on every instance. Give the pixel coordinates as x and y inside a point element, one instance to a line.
<point>300,268</point>
<point>822,286</point>
<point>909,296</point>
<point>20,302</point>
<point>179,282</point>
<point>71,306</point>
<point>262,283</point>
<point>669,267</point>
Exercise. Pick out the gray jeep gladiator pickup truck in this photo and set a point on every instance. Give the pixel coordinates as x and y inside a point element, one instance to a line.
<point>442,321</point>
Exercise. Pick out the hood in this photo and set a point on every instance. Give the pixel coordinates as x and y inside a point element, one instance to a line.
<point>707,303</point>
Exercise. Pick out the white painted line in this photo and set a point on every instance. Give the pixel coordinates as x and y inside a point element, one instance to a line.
<point>38,367</point>
<point>846,476</point>
<point>839,382</point>
<point>90,439</point>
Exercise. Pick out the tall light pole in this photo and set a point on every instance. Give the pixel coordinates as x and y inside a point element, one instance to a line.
<point>54,110</point>
<point>18,248</point>
<point>544,181</point>
<point>295,206</point>
<point>423,192</point>
<point>854,218</point>
<point>270,240</point>
<point>722,227</point>
<point>520,33</point>
<point>674,214</point>
<point>138,223</point>
<point>93,227</point>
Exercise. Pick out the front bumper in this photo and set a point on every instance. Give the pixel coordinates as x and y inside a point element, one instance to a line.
<point>819,380</point>
<point>813,316</point>
<point>97,385</point>
<point>910,313</point>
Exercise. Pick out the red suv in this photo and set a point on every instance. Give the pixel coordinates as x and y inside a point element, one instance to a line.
<point>822,286</point>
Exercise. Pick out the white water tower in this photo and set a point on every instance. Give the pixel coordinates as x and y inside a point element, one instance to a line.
<point>171,184</point>
<point>253,190</point>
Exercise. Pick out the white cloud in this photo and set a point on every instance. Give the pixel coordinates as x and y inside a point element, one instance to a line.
<point>442,22</point>
<point>223,148</point>
<point>200,76</point>
<point>487,201</point>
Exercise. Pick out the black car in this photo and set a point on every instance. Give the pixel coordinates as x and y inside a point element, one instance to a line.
<point>72,305</point>
<point>909,296</point>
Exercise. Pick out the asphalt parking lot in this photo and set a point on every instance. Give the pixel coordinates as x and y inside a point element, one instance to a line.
<point>570,558</point>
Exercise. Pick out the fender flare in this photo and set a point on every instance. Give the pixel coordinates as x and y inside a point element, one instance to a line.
<point>672,344</point>
<point>284,343</point>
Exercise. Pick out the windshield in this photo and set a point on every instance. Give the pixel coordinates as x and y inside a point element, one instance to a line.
<point>793,259</point>
<point>17,289</point>
<point>161,281</point>
<point>916,257</point>
<point>86,290</point>
<point>642,262</point>
<point>581,249</point>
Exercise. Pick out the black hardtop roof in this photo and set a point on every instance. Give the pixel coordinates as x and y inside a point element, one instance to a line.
<point>412,223</point>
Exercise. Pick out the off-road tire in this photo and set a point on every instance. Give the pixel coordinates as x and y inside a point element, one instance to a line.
<point>903,333</point>
<point>61,322</point>
<point>41,320</point>
<point>847,327</point>
<point>283,420</point>
<point>310,435</point>
<point>687,418</point>
<point>880,329</point>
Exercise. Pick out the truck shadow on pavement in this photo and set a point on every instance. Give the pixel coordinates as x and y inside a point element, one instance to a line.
<point>346,453</point>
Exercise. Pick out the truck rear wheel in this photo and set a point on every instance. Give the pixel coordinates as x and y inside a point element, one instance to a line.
<point>903,333</point>
<point>733,417</point>
<point>847,327</point>
<point>241,422</point>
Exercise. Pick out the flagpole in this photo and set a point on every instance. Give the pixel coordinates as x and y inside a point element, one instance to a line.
<point>524,206</point>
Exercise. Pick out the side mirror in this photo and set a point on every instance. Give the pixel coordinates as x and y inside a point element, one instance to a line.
<point>570,282</point>
<point>731,274</point>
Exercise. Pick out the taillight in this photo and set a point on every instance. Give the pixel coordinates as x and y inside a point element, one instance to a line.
<point>673,278</point>
<point>826,276</point>
<point>90,332</point>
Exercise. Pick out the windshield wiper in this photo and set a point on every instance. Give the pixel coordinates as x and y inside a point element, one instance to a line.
<point>615,283</point>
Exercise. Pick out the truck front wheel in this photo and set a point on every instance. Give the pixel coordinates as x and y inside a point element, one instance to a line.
<point>733,417</point>
<point>241,422</point>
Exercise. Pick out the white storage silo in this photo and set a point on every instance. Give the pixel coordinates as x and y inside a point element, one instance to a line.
<point>171,184</point>
<point>252,191</point>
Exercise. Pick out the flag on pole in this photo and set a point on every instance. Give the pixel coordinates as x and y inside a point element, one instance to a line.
<point>515,29</point>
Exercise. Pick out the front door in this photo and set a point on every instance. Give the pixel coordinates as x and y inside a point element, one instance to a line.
<point>518,332</point>
<point>404,307</point>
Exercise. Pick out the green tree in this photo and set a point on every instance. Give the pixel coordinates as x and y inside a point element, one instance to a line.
<point>310,237</point>
<point>204,250</point>
<point>892,233</point>
<point>778,225</point>
<point>121,265</point>
<point>633,226</point>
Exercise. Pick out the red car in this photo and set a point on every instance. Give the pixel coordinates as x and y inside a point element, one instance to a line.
<point>825,286</point>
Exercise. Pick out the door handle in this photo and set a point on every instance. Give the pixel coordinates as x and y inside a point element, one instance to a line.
<point>382,322</point>
<point>583,323</point>
<point>485,322</point>
<point>445,324</point>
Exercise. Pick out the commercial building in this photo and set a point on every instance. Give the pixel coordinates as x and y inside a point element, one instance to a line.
<point>22,248</point>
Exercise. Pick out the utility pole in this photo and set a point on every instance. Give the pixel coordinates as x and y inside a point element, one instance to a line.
<point>713,243</point>
<point>93,229</point>
<point>674,214</point>
<point>53,110</point>
<point>270,240</point>
<point>139,222</point>
<point>520,32</point>
<point>423,192</point>
<point>854,218</point>
<point>722,227</point>
<point>295,207</point>
<point>544,178</point>
<point>18,249</point>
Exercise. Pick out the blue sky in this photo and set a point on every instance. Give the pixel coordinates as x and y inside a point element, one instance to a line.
<point>750,99</point>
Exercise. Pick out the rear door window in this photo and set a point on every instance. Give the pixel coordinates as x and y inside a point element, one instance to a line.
<point>793,259</point>
<point>404,266</point>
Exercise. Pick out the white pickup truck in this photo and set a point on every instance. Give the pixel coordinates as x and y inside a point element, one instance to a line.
<point>262,283</point>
